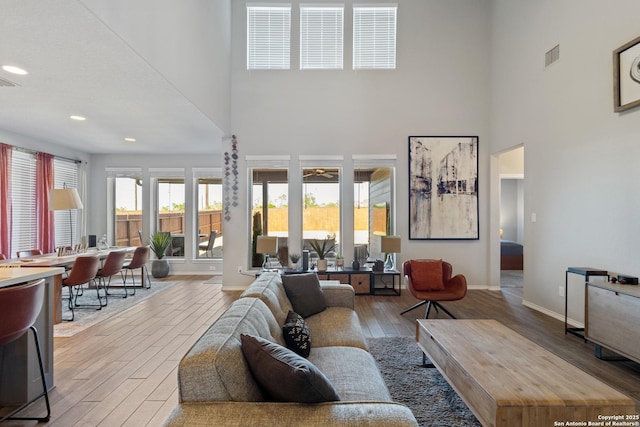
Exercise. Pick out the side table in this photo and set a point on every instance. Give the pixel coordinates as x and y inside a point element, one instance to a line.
<point>388,281</point>
<point>582,271</point>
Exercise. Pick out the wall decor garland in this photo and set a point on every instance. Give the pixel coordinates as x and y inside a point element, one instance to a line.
<point>231,183</point>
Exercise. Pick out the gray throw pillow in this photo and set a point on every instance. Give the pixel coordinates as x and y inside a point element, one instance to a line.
<point>305,293</point>
<point>296,334</point>
<point>284,375</point>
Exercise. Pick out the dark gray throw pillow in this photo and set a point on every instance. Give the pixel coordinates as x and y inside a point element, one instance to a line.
<point>305,293</point>
<point>283,375</point>
<point>296,334</point>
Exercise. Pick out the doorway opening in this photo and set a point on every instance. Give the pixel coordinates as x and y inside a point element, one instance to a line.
<point>512,244</point>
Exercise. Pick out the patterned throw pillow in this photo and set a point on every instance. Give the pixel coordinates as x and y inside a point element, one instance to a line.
<point>297,335</point>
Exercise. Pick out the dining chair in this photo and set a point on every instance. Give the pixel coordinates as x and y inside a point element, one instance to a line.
<point>139,261</point>
<point>112,265</point>
<point>208,245</point>
<point>83,271</point>
<point>31,252</point>
<point>19,308</point>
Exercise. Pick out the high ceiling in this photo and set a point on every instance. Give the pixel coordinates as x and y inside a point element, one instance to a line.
<point>77,65</point>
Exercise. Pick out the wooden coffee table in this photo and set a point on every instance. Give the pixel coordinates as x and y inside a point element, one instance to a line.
<point>508,380</point>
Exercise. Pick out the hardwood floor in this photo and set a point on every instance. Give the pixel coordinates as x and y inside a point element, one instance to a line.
<point>122,372</point>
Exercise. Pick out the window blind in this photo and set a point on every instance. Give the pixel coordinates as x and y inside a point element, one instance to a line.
<point>23,190</point>
<point>321,37</point>
<point>65,173</point>
<point>374,37</point>
<point>268,37</point>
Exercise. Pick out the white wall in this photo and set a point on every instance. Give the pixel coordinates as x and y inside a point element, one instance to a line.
<point>187,41</point>
<point>440,87</point>
<point>578,151</point>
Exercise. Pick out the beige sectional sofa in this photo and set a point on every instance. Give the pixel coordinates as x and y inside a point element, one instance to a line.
<point>217,387</point>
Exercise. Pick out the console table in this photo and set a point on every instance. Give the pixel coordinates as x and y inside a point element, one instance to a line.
<point>612,318</point>
<point>587,272</point>
<point>359,279</point>
<point>363,280</point>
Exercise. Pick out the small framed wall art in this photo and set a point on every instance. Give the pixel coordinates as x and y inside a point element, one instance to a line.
<point>443,188</point>
<point>626,76</point>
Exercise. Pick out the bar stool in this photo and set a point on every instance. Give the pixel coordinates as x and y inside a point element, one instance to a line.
<point>19,308</point>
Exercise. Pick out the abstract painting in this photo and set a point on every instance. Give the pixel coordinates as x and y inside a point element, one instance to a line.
<point>626,76</point>
<point>443,187</point>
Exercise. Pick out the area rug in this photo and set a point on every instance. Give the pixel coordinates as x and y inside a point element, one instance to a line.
<point>428,395</point>
<point>86,317</point>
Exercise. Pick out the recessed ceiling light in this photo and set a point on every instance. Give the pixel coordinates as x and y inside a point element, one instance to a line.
<point>14,70</point>
<point>78,118</point>
<point>129,139</point>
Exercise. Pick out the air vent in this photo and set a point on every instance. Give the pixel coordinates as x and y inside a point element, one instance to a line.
<point>6,83</point>
<point>552,56</point>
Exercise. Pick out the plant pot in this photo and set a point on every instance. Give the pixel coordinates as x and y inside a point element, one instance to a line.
<point>340,262</point>
<point>160,268</point>
<point>322,265</point>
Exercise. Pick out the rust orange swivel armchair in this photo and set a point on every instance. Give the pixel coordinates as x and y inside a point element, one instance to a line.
<point>430,280</point>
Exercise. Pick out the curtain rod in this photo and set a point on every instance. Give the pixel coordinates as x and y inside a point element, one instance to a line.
<point>30,151</point>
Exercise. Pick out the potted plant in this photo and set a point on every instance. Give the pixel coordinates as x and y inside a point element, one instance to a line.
<point>294,260</point>
<point>322,248</point>
<point>339,260</point>
<point>159,243</point>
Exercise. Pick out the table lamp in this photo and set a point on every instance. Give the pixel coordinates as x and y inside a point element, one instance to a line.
<point>390,245</point>
<point>62,199</point>
<point>267,245</point>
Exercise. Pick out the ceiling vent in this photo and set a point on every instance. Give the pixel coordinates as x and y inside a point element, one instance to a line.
<point>552,56</point>
<point>6,83</point>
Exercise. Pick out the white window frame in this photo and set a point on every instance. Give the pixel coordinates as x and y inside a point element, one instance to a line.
<point>321,37</point>
<point>374,36</point>
<point>268,36</point>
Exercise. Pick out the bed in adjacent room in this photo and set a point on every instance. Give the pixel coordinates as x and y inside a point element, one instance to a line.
<point>510,255</point>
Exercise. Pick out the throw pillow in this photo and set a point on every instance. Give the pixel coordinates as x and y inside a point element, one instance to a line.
<point>305,293</point>
<point>297,335</point>
<point>426,274</point>
<point>285,376</point>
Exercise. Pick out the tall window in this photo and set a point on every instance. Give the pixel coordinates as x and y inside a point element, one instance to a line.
<point>268,37</point>
<point>170,212</point>
<point>321,37</point>
<point>373,208</point>
<point>270,211</point>
<point>66,222</point>
<point>128,211</point>
<point>210,236</point>
<point>321,204</point>
<point>374,37</point>
<point>23,193</point>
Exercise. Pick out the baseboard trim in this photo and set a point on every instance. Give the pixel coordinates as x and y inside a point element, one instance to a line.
<point>572,322</point>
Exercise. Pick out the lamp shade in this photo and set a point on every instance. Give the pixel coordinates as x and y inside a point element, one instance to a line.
<point>62,199</point>
<point>267,245</point>
<point>390,244</point>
